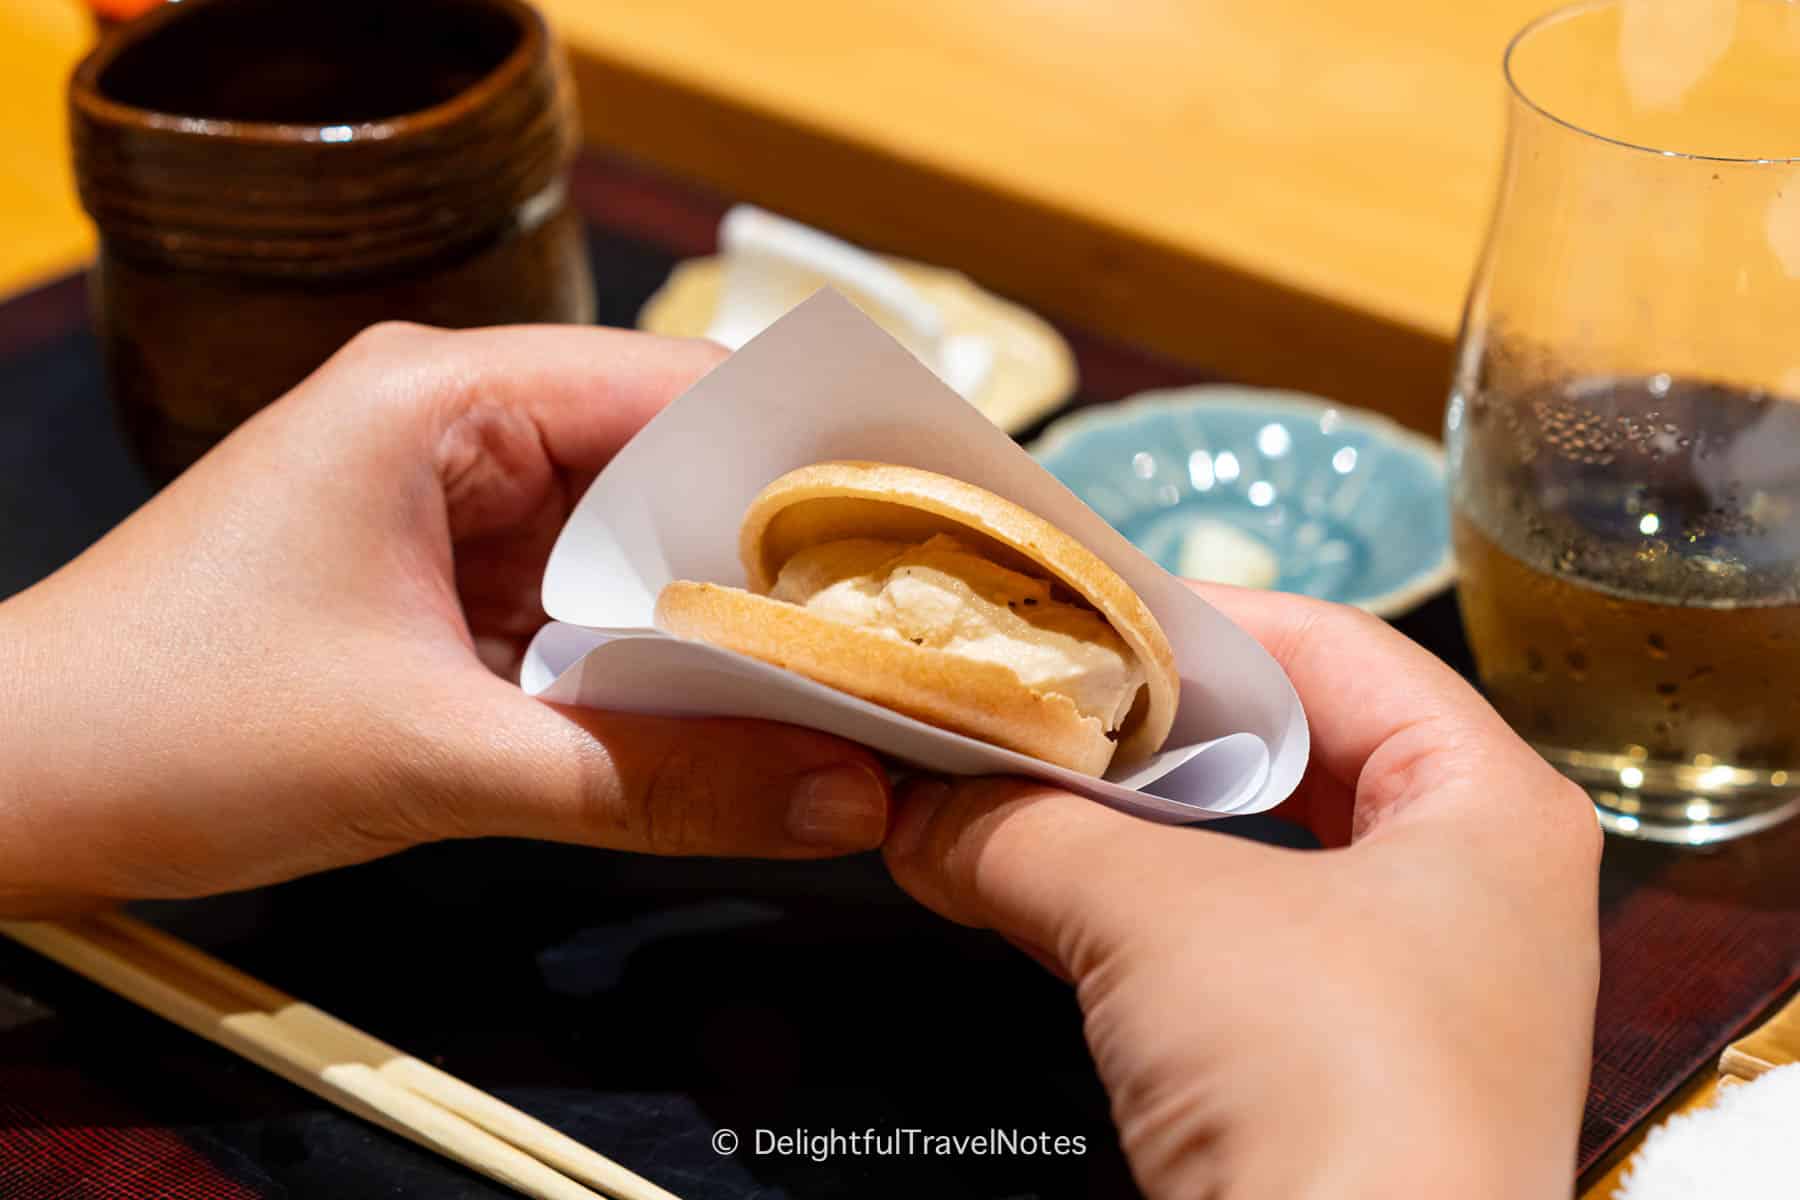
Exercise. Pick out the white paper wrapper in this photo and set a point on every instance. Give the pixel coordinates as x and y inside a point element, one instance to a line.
<point>822,383</point>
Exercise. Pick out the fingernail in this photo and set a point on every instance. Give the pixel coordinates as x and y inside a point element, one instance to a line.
<point>839,807</point>
<point>918,805</point>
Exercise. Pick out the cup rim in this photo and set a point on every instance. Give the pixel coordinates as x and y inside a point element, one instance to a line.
<point>1565,12</point>
<point>86,96</point>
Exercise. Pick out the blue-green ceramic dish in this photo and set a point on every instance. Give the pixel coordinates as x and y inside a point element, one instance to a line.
<point>1352,507</point>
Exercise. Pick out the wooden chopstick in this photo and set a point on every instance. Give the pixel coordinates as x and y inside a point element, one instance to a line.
<point>1775,1043</point>
<point>329,1058</point>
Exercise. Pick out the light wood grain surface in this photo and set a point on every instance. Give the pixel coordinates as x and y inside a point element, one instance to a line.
<point>1286,190</point>
<point>44,232</point>
<point>1343,149</point>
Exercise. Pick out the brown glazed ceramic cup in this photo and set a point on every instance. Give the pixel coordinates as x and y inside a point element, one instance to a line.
<point>269,177</point>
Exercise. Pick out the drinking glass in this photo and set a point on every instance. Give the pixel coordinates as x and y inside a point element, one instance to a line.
<point>1624,423</point>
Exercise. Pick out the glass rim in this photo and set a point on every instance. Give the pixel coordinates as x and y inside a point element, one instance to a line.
<point>1563,13</point>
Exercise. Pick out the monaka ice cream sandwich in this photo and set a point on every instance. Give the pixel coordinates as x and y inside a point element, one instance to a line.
<point>947,603</point>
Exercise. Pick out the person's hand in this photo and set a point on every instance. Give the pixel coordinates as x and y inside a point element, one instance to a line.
<point>1408,1014</point>
<point>293,657</point>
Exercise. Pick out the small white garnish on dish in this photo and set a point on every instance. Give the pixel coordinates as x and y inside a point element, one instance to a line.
<point>1219,552</point>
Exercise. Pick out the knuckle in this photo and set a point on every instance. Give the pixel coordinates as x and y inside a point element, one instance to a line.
<point>378,370</point>
<point>385,337</point>
<point>959,863</point>
<point>935,863</point>
<point>979,844</point>
<point>401,376</point>
<point>679,805</point>
<point>1322,629</point>
<point>1403,767</point>
<point>1581,831</point>
<point>387,357</point>
<point>1340,621</point>
<point>963,833</point>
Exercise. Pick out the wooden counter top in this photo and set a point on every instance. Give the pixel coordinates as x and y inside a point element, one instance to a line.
<point>1344,150</point>
<point>1284,191</point>
<point>43,232</point>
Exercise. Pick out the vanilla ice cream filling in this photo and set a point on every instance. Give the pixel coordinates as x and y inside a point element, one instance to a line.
<point>943,595</point>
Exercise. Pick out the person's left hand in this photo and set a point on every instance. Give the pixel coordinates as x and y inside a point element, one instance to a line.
<point>1408,1013</point>
<point>293,657</point>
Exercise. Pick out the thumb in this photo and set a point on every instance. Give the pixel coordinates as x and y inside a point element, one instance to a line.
<point>670,785</point>
<point>1067,879</point>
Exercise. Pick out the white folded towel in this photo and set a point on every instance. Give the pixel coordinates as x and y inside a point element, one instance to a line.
<point>1740,1148</point>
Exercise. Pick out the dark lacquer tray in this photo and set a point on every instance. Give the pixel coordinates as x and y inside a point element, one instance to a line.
<point>641,1005</point>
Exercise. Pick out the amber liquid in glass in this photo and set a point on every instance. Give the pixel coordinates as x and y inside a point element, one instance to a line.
<point>1632,594</point>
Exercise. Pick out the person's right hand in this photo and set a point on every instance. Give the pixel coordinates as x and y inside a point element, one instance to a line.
<point>299,655</point>
<point>1408,1014</point>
